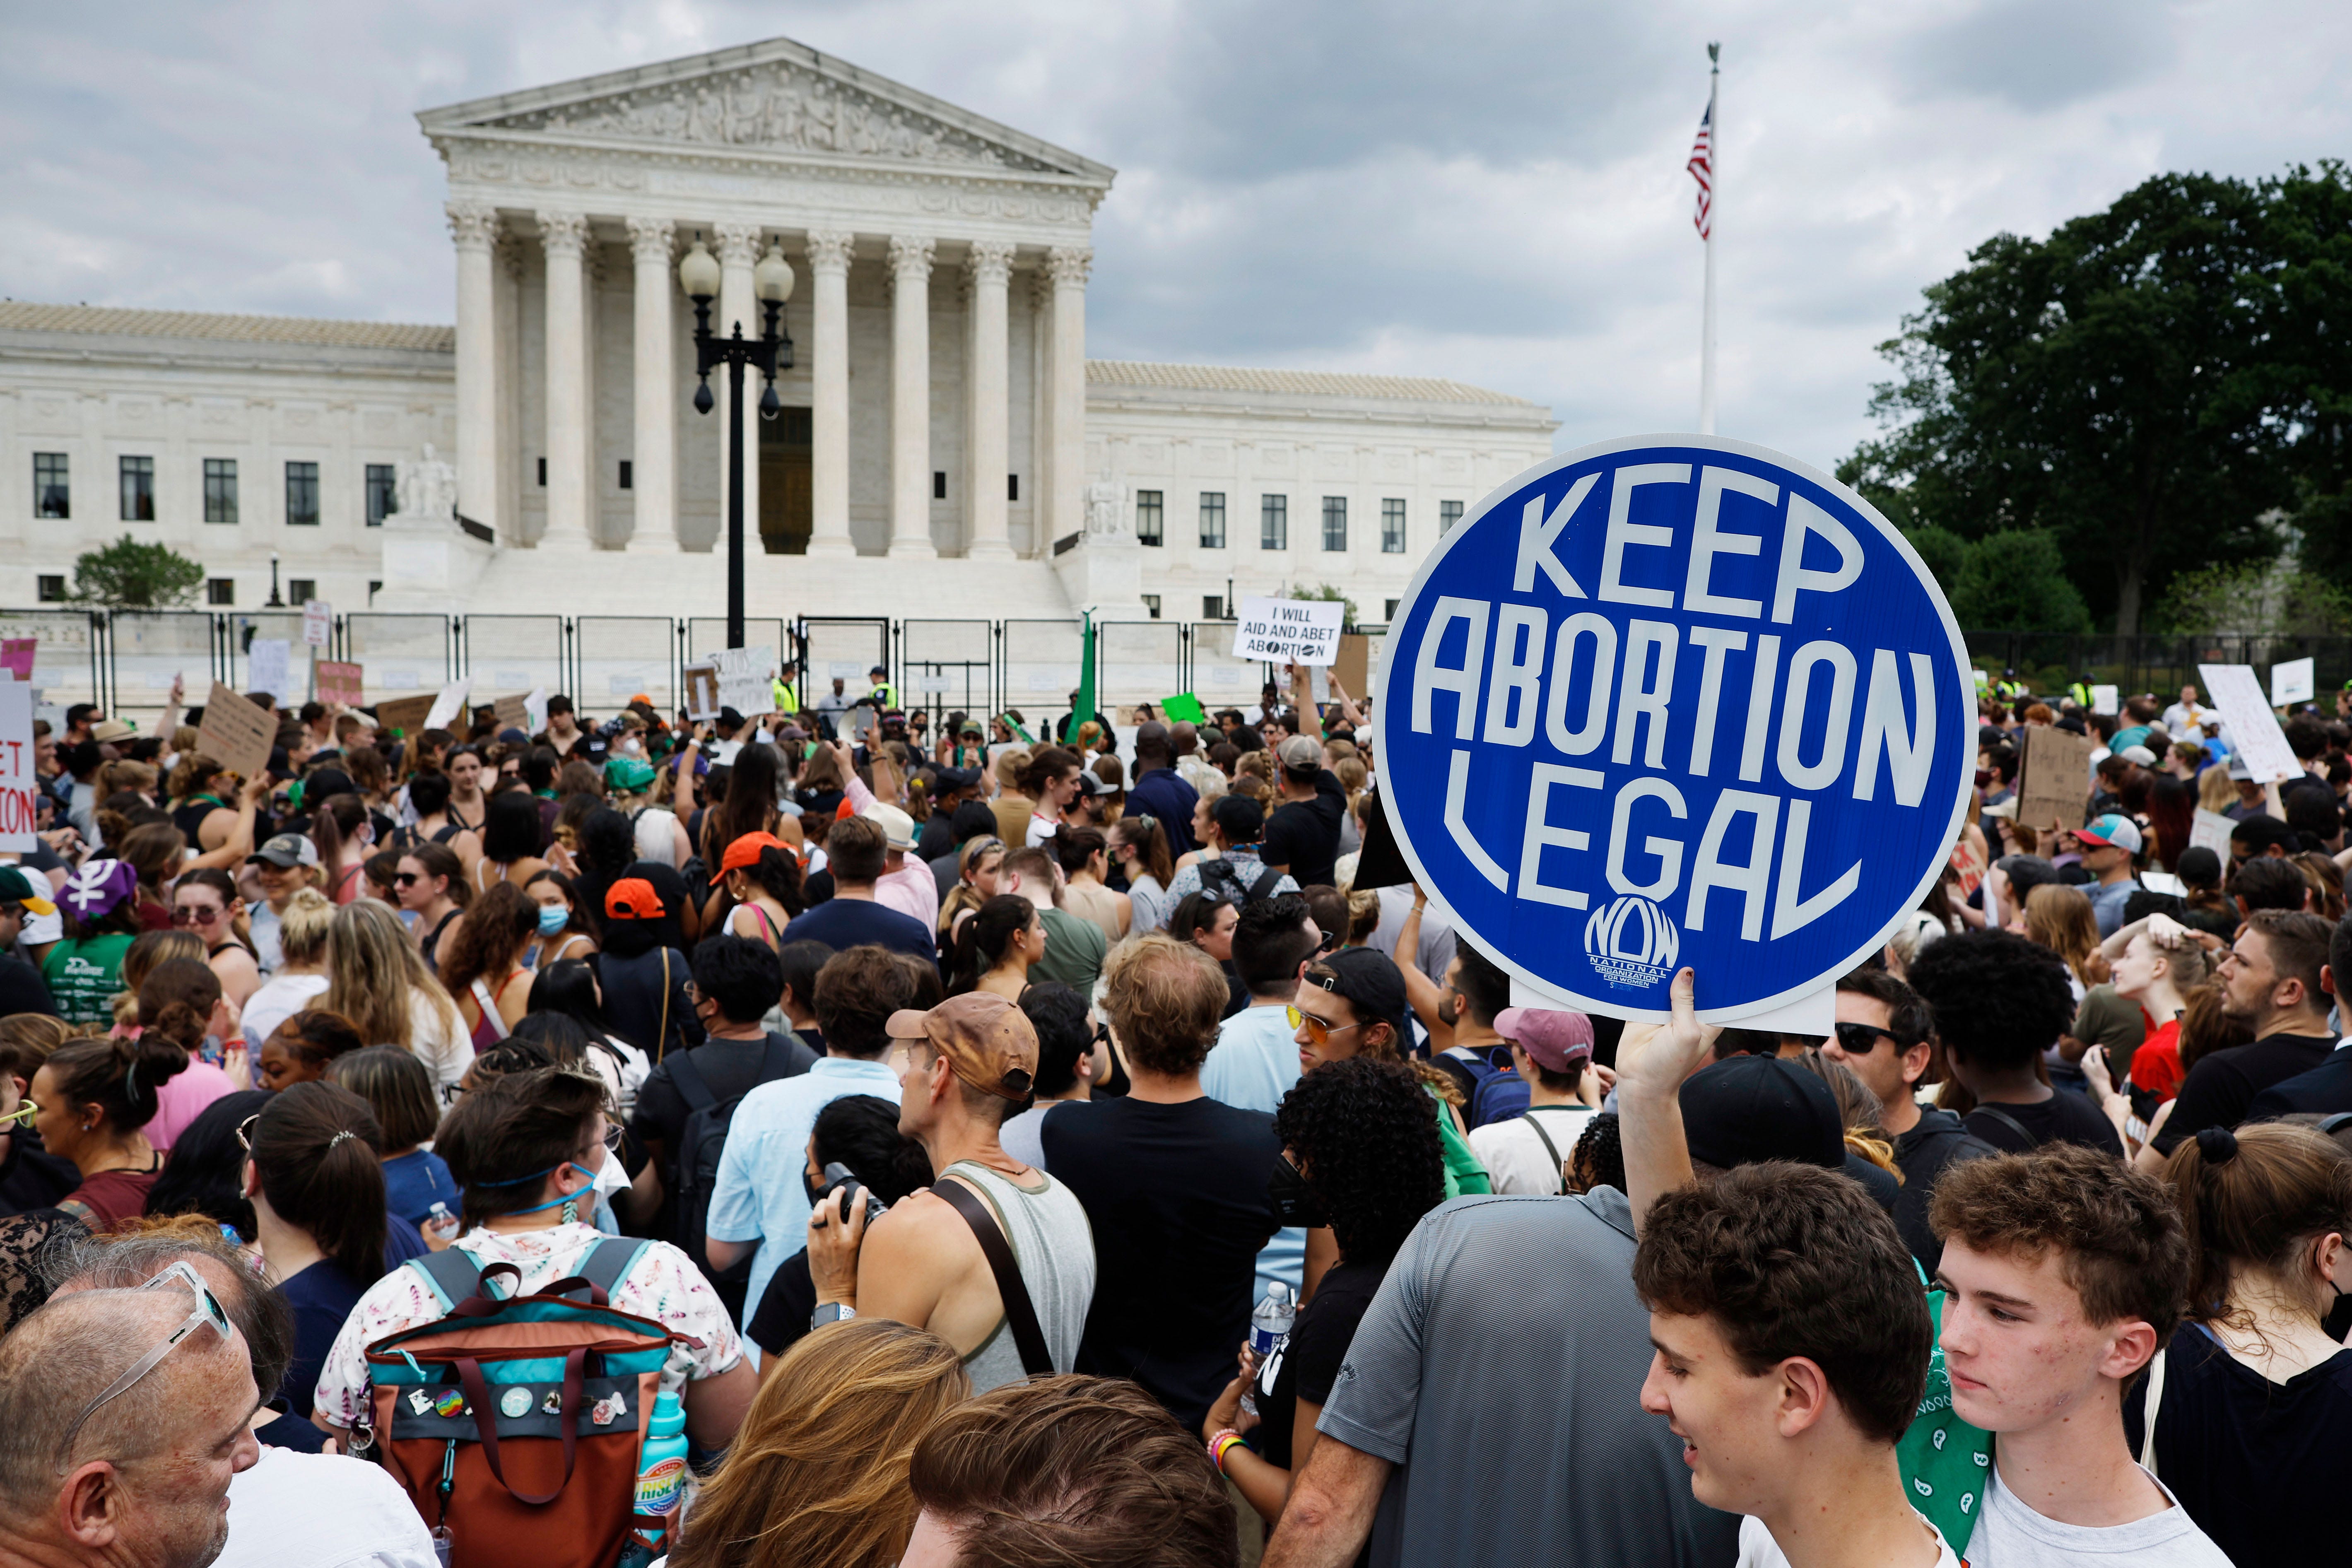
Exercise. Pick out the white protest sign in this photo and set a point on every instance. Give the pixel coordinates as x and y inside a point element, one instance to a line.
<point>266,662</point>
<point>1289,631</point>
<point>448,704</point>
<point>746,676</point>
<point>318,621</point>
<point>2211,830</point>
<point>19,792</point>
<point>534,703</point>
<point>2291,682</point>
<point>2253,728</point>
<point>2105,699</point>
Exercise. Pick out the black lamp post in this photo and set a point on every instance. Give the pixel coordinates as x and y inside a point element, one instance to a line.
<point>275,602</point>
<point>771,351</point>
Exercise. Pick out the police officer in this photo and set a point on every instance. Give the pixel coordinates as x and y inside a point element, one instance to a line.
<point>2081,692</point>
<point>881,694</point>
<point>2008,688</point>
<point>787,689</point>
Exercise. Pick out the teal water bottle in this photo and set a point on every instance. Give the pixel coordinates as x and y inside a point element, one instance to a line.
<point>661,1474</point>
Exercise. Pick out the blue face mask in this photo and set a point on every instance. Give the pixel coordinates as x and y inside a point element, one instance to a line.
<point>552,919</point>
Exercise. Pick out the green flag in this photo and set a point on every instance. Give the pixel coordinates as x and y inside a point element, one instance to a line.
<point>1086,709</point>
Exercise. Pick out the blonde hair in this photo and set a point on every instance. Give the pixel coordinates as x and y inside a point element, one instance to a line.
<point>818,1472</point>
<point>2059,918</point>
<point>302,929</point>
<point>2216,790</point>
<point>375,977</point>
<point>1858,1112</point>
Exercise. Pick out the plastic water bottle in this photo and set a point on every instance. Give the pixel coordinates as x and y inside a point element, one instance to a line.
<point>441,1222</point>
<point>661,1475</point>
<point>1270,1323</point>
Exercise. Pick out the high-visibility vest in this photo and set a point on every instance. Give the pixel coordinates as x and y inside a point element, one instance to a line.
<point>883,695</point>
<point>2082,696</point>
<point>787,697</point>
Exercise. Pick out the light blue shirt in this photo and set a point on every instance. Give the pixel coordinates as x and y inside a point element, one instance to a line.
<point>759,1194</point>
<point>1252,1065</point>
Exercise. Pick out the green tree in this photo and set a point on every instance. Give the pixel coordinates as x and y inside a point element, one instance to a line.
<point>2262,601</point>
<point>130,575</point>
<point>2015,581</point>
<point>1324,591</point>
<point>2104,385</point>
<point>2306,379</point>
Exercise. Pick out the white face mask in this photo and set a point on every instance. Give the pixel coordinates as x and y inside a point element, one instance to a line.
<point>631,746</point>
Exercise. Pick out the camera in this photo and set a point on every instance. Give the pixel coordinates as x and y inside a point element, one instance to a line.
<point>837,1179</point>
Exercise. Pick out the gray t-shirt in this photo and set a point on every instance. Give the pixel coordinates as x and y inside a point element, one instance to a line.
<point>1500,1369</point>
<point>2011,1534</point>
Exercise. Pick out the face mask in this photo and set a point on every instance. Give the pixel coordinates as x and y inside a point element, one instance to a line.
<point>631,746</point>
<point>552,919</point>
<point>610,1177</point>
<point>1294,1200</point>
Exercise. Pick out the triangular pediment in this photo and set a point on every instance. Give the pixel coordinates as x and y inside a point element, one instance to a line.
<point>777,97</point>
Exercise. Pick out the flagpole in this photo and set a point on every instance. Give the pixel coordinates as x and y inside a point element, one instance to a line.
<point>1715,205</point>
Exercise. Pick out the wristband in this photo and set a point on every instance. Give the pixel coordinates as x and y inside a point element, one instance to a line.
<point>1225,1438</point>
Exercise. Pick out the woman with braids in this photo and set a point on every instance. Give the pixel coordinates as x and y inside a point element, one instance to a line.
<point>995,949</point>
<point>483,968</point>
<point>1359,1156</point>
<point>526,1147</point>
<point>317,1191</point>
<point>93,1100</point>
<point>2253,1398</point>
<point>819,1472</point>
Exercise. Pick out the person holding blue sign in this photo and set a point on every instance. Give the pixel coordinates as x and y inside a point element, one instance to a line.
<point>1675,702</point>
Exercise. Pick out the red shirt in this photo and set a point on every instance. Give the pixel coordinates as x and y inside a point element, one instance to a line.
<point>2155,1066</point>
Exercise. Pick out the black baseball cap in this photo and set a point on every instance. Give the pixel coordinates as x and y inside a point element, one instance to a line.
<point>1368,980</point>
<point>1749,1109</point>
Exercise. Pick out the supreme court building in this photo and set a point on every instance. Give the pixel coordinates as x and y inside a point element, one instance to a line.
<point>941,412</point>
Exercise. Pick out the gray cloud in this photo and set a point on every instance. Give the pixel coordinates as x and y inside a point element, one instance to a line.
<point>1492,190</point>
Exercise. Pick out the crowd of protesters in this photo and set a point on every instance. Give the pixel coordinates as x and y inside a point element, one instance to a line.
<point>1028,1143</point>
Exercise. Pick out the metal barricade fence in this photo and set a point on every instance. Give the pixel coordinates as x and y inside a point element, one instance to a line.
<point>947,665</point>
<point>399,654</point>
<point>1219,679</point>
<point>508,656</point>
<point>1038,667</point>
<point>69,662</point>
<point>843,649</point>
<point>1137,661</point>
<point>146,650</point>
<point>707,635</point>
<point>621,656</point>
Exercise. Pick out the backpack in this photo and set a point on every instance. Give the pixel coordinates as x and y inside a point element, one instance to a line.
<point>514,1423</point>
<point>1221,874</point>
<point>1501,1094</point>
<point>705,1139</point>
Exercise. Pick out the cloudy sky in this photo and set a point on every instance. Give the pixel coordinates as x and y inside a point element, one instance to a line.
<point>1491,190</point>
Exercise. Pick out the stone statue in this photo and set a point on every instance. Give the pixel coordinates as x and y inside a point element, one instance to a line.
<point>427,487</point>
<point>1106,508</point>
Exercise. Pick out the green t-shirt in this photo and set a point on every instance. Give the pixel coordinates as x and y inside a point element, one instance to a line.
<point>1074,953</point>
<point>1464,1176</point>
<point>83,976</point>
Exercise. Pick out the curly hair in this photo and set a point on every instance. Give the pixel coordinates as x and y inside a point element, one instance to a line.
<point>1598,1158</point>
<point>1999,1000</point>
<point>1368,1148</point>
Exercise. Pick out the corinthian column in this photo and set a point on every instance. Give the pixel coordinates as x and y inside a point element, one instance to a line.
<point>988,392</point>
<point>738,250</point>
<point>654,462</point>
<point>563,235</point>
<point>1068,265</point>
<point>474,229</point>
<point>828,255</point>
<point>911,398</point>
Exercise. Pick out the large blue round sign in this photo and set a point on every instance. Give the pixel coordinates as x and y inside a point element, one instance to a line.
<point>1675,700</point>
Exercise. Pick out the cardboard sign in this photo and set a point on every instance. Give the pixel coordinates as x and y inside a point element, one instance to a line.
<point>1289,631</point>
<point>16,657</point>
<point>449,702</point>
<point>2291,682</point>
<point>405,714</point>
<point>236,733</point>
<point>339,682</point>
<point>2211,830</point>
<point>702,689</point>
<point>1353,666</point>
<point>509,713</point>
<point>2253,728</point>
<point>268,668</point>
<point>2054,779</point>
<point>1183,709</point>
<point>19,790</point>
<point>318,622</point>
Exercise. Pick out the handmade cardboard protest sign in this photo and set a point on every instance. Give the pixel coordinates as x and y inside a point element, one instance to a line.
<point>746,679</point>
<point>341,683</point>
<point>17,657</point>
<point>1353,664</point>
<point>509,713</point>
<point>19,790</point>
<point>236,733</point>
<point>702,689</point>
<point>1289,631</point>
<point>2253,728</point>
<point>2054,779</point>
<point>1671,701</point>
<point>405,714</point>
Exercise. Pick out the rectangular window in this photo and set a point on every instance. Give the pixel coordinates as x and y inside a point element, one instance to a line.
<point>1274,523</point>
<point>1449,513</point>
<point>1152,603</point>
<point>542,473</point>
<point>1149,518</point>
<point>137,490</point>
<point>382,480</point>
<point>1013,487</point>
<point>1212,606</point>
<point>220,492</point>
<point>302,590</point>
<point>1213,519</point>
<point>1391,527</point>
<point>220,590</point>
<point>1390,615</point>
<point>52,589</point>
<point>628,476</point>
<point>938,484</point>
<point>52,493</point>
<point>302,495</point>
<point>1335,522</point>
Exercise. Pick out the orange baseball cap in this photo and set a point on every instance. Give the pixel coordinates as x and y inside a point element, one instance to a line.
<point>745,851</point>
<point>632,897</point>
<point>987,1041</point>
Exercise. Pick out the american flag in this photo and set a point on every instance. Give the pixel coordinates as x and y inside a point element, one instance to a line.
<point>1702,169</point>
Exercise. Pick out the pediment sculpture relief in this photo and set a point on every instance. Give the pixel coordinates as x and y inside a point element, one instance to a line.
<point>774,107</point>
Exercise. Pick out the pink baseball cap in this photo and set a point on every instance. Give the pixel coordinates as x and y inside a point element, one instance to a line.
<point>1556,1040</point>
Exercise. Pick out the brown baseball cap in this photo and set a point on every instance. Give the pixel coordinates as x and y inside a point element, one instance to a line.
<point>987,1041</point>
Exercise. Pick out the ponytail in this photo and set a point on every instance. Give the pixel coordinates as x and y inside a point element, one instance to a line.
<point>2253,1201</point>
<point>314,1152</point>
<point>981,941</point>
<point>122,1078</point>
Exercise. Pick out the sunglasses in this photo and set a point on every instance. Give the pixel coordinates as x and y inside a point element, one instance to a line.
<point>208,1314</point>
<point>1860,1039</point>
<point>245,1131</point>
<point>1317,1029</point>
<point>404,879</point>
<point>20,1117</point>
<point>196,914</point>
